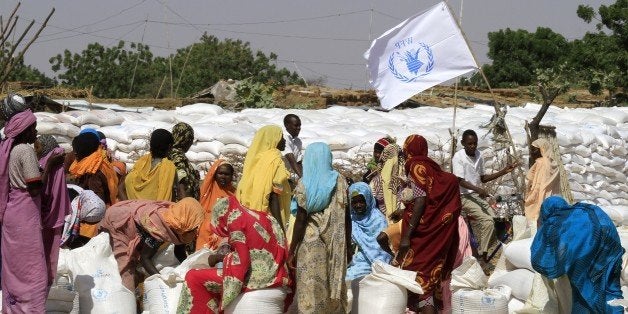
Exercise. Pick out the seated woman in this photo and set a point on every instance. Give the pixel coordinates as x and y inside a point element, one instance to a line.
<point>139,227</point>
<point>366,224</point>
<point>318,249</point>
<point>153,175</point>
<point>580,241</point>
<point>86,207</point>
<point>218,184</point>
<point>257,261</point>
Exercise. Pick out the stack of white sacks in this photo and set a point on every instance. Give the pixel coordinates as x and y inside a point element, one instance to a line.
<point>593,146</point>
<point>594,142</point>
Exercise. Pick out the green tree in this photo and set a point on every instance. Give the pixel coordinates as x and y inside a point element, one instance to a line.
<point>602,57</point>
<point>202,64</point>
<point>516,54</point>
<point>110,71</point>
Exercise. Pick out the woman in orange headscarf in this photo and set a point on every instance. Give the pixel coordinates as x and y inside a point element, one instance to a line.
<point>91,170</point>
<point>218,184</point>
<point>139,227</point>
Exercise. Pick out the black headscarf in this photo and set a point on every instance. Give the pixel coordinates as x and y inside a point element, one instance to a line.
<point>85,144</point>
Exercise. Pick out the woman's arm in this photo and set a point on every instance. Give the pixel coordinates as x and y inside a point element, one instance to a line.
<point>417,213</point>
<point>275,208</point>
<point>297,236</point>
<point>179,252</point>
<point>146,259</point>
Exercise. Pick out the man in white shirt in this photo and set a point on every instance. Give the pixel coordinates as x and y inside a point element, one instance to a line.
<point>293,154</point>
<point>468,166</point>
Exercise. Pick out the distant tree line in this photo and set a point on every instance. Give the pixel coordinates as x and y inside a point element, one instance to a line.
<point>598,61</point>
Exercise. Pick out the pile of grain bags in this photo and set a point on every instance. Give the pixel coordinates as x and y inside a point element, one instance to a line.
<point>594,142</point>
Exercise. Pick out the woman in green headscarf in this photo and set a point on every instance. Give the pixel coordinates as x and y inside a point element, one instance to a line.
<point>188,184</point>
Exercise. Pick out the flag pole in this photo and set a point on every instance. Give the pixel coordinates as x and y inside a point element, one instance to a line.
<point>496,106</point>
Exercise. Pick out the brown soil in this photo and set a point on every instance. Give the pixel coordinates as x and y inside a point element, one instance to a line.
<point>316,97</point>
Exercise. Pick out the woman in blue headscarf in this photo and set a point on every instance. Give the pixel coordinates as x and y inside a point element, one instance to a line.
<point>367,221</point>
<point>319,239</point>
<point>580,241</point>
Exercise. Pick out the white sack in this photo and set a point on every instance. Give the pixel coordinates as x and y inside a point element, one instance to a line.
<point>266,301</point>
<point>519,280</point>
<point>481,301</point>
<point>97,280</point>
<point>518,253</point>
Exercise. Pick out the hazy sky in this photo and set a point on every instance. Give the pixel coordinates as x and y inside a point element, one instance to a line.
<point>325,38</point>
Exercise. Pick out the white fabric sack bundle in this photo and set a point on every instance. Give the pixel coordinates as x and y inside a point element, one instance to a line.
<point>481,301</point>
<point>263,301</point>
<point>518,253</point>
<point>97,280</point>
<point>519,280</point>
<point>469,275</point>
<point>61,296</point>
<point>162,291</point>
<point>385,289</point>
<point>200,109</point>
<point>514,305</point>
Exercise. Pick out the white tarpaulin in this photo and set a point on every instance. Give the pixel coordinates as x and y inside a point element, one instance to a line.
<point>422,51</point>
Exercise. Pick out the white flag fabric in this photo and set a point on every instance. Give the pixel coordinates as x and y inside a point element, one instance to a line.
<point>422,51</point>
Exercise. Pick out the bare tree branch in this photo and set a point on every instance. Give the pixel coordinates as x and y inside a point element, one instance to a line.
<point>7,70</point>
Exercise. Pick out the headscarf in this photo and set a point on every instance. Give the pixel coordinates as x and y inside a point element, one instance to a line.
<point>119,167</point>
<point>580,241</point>
<point>151,183</point>
<point>14,127</point>
<point>183,135</point>
<point>160,141</point>
<point>93,163</point>
<point>319,177</point>
<point>91,131</point>
<point>210,193</point>
<point>379,145</point>
<point>47,143</point>
<point>12,105</point>
<point>183,217</point>
<point>364,231</point>
<point>86,207</point>
<point>543,179</point>
<point>264,171</point>
<point>85,144</point>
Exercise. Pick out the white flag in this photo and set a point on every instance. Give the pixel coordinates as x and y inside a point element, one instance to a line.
<point>422,51</point>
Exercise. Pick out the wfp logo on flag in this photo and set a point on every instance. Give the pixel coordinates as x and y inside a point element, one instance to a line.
<point>420,52</point>
<point>410,60</point>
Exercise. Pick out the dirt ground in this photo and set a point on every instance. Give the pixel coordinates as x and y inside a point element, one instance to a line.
<point>316,97</point>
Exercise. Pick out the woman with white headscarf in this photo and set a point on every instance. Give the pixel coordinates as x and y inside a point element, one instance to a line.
<point>87,207</point>
<point>543,180</point>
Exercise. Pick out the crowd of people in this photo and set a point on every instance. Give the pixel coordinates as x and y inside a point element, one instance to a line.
<point>292,221</point>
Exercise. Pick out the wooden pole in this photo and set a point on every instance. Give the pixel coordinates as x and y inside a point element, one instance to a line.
<point>498,112</point>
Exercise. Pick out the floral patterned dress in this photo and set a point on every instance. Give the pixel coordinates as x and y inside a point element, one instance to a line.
<point>257,260</point>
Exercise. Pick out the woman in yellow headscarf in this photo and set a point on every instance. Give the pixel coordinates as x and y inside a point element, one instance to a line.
<point>153,175</point>
<point>139,227</point>
<point>264,185</point>
<point>543,180</point>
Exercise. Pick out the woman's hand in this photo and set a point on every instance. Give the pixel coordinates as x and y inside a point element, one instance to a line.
<point>214,259</point>
<point>404,246</point>
<point>396,215</point>
<point>292,261</point>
